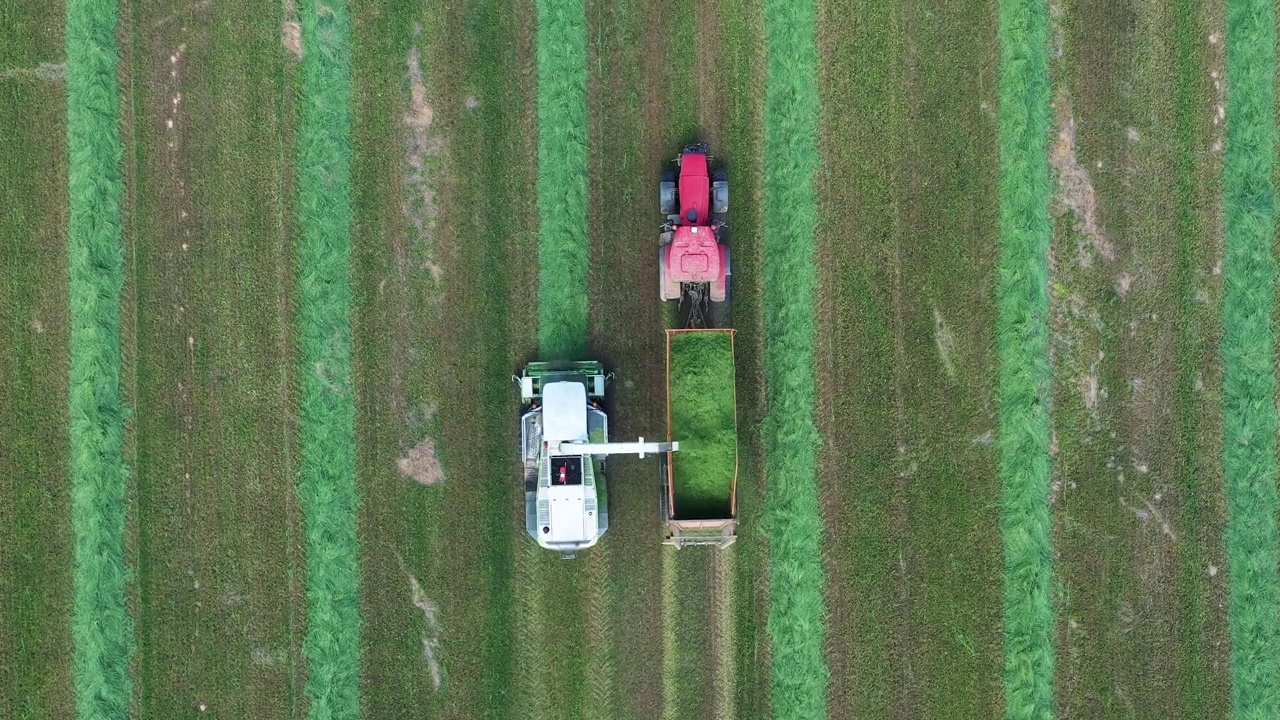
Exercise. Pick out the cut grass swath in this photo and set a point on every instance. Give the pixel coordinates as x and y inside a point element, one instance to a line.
<point>704,420</point>
<point>1248,358</point>
<point>1022,345</point>
<point>562,178</point>
<point>326,482</point>
<point>796,623</point>
<point>101,627</point>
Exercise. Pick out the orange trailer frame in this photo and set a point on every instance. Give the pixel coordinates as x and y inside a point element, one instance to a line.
<point>720,532</point>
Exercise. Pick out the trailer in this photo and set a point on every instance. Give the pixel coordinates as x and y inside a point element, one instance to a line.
<point>699,484</point>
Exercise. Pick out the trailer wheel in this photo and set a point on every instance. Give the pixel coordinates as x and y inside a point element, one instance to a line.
<point>663,511</point>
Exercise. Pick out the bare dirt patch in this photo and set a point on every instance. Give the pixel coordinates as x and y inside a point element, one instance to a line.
<point>1075,187</point>
<point>420,205</point>
<point>431,633</point>
<point>946,342</point>
<point>723,638</point>
<point>291,29</point>
<point>1124,284</point>
<point>421,462</point>
<point>56,72</point>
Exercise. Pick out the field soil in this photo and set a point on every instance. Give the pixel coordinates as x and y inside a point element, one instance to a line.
<point>905,360</point>
<point>35,504</point>
<point>1137,492</point>
<point>219,604</point>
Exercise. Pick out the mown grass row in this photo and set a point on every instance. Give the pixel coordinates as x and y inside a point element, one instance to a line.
<point>326,482</point>
<point>562,178</point>
<point>796,622</point>
<point>101,627</point>
<point>1022,346</point>
<point>1248,355</point>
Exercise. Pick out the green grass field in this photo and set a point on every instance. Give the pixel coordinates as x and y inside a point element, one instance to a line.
<point>35,518</point>
<point>502,187</point>
<point>1138,504</point>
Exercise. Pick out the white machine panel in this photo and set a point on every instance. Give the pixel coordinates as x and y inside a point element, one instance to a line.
<point>564,412</point>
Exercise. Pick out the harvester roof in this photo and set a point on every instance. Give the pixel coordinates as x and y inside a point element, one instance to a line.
<point>564,412</point>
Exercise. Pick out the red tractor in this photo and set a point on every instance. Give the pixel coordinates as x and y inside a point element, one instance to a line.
<point>693,262</point>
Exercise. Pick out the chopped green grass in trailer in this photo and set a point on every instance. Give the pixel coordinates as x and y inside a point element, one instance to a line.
<point>702,416</point>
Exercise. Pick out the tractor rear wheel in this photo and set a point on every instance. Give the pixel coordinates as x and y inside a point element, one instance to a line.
<point>667,201</point>
<point>663,511</point>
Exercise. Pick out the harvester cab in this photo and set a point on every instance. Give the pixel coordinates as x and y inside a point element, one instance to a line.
<point>564,441</point>
<point>693,260</point>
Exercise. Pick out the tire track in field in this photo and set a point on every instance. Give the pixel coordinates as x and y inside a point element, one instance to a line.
<point>599,616</point>
<point>530,699</point>
<point>624,110</point>
<point>712,111</point>
<point>670,611</point>
<point>724,649</point>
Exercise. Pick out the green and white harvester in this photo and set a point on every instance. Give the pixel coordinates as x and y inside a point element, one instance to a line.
<point>564,443</point>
